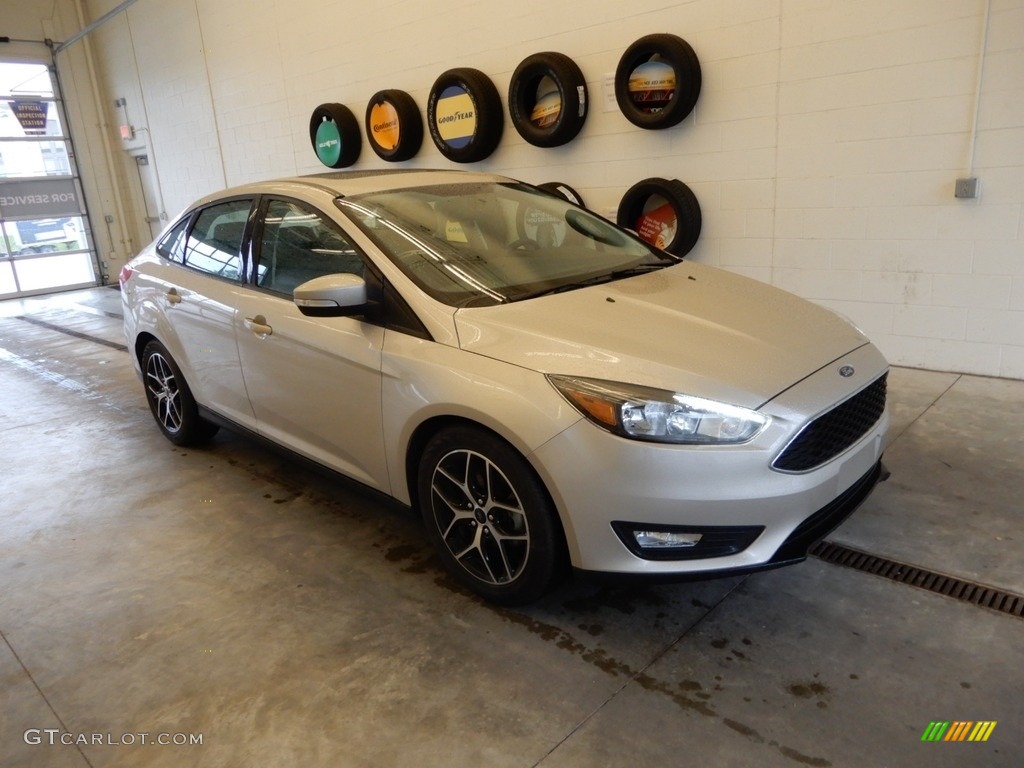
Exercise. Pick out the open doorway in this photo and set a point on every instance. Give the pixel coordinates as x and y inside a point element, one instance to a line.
<point>45,241</point>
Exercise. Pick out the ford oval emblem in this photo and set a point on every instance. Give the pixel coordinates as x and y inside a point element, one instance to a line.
<point>846,371</point>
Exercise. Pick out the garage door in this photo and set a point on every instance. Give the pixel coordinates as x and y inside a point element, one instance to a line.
<point>46,244</point>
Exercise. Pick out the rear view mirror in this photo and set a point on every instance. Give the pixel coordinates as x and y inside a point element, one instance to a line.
<point>331,296</point>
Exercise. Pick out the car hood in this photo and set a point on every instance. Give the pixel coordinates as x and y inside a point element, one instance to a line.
<point>687,328</point>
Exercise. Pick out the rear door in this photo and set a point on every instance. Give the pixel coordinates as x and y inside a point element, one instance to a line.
<point>200,304</point>
<point>314,383</point>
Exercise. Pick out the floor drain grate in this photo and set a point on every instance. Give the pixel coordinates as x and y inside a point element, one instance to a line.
<point>966,591</point>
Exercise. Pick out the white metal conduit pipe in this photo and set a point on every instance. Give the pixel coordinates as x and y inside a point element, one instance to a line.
<point>126,238</point>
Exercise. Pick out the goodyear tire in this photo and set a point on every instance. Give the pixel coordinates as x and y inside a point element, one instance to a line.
<point>464,115</point>
<point>563,191</point>
<point>547,99</point>
<point>663,212</point>
<point>334,133</point>
<point>394,127</point>
<point>657,81</point>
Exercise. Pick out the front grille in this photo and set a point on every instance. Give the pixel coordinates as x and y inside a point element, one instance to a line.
<point>832,433</point>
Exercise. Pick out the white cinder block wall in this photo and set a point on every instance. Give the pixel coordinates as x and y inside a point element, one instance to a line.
<point>823,149</point>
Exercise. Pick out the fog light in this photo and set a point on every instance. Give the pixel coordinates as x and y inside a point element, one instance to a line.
<point>656,541</point>
<point>660,539</point>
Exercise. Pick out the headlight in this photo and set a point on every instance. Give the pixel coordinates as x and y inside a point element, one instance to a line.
<point>645,413</point>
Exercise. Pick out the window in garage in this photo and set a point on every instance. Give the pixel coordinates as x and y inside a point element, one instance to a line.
<point>45,244</point>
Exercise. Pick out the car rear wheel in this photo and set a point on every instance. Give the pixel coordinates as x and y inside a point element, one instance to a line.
<point>170,399</point>
<point>489,516</point>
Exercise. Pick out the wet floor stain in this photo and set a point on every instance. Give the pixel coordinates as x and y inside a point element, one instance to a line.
<point>811,690</point>
<point>792,754</point>
<point>680,697</point>
<point>417,557</point>
<point>401,552</point>
<point>743,729</point>
<point>815,762</point>
<point>688,695</point>
<point>807,690</point>
<point>624,600</point>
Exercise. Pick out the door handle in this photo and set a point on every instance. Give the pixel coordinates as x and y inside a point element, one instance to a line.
<point>258,325</point>
<point>173,297</point>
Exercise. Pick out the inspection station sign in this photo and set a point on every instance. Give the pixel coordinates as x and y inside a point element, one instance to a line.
<point>31,115</point>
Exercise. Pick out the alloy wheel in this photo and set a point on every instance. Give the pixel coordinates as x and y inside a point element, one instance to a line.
<point>164,391</point>
<point>480,517</point>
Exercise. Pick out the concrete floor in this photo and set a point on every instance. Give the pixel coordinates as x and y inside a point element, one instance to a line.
<point>290,619</point>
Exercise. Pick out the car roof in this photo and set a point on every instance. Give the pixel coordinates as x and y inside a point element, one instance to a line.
<point>346,183</point>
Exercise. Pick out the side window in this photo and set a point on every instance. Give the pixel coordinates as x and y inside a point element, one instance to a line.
<point>173,245</point>
<point>214,245</point>
<point>299,244</point>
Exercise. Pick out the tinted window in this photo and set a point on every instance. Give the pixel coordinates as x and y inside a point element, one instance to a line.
<point>214,245</point>
<point>173,244</point>
<point>299,244</point>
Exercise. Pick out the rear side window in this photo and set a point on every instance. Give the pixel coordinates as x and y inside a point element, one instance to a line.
<point>299,244</point>
<point>215,243</point>
<point>173,244</point>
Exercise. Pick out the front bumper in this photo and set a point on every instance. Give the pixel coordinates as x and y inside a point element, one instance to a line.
<point>598,479</point>
<point>793,550</point>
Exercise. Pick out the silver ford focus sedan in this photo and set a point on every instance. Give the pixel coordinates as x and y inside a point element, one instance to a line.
<point>547,389</point>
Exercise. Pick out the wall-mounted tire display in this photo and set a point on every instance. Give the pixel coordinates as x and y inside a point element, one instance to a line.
<point>657,81</point>
<point>547,99</point>
<point>394,126</point>
<point>334,133</point>
<point>563,191</point>
<point>663,212</point>
<point>464,115</point>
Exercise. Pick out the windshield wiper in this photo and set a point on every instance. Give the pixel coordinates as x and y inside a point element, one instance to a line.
<point>608,277</point>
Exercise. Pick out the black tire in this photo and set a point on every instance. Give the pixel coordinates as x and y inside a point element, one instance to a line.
<point>170,399</point>
<point>334,134</point>
<point>642,209</point>
<point>552,117</point>
<point>654,108</point>
<point>564,191</point>
<point>394,126</point>
<point>464,115</point>
<point>489,516</point>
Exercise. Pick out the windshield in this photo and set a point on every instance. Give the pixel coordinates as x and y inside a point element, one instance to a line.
<point>479,244</point>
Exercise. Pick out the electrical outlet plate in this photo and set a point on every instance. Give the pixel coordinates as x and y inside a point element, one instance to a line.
<point>967,189</point>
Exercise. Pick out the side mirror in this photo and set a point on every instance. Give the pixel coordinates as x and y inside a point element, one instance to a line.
<point>331,296</point>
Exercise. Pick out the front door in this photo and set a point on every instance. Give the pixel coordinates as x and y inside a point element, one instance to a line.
<point>314,383</point>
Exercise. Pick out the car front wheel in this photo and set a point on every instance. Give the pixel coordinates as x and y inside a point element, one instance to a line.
<point>489,516</point>
<point>171,400</point>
